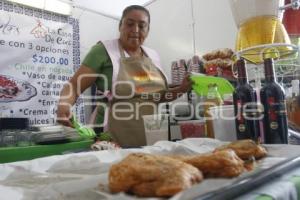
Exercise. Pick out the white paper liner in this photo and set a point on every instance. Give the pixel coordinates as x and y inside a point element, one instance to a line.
<point>85,175</point>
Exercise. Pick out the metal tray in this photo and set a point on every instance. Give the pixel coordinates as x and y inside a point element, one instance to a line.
<point>281,159</point>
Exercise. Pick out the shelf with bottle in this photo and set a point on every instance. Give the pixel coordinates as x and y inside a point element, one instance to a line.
<point>286,68</point>
<point>277,51</point>
<point>270,100</point>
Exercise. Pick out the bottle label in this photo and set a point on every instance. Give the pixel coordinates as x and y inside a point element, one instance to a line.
<point>253,111</point>
<point>274,125</point>
<point>242,128</point>
<point>272,109</point>
<point>275,109</point>
<point>240,116</point>
<point>282,108</point>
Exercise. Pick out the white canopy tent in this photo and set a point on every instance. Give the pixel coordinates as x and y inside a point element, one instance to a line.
<point>111,8</point>
<point>179,28</point>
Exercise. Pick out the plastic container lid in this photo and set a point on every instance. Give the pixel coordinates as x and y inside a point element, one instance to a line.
<point>201,82</point>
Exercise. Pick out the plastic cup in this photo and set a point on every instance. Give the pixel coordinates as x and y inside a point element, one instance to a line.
<point>156,128</point>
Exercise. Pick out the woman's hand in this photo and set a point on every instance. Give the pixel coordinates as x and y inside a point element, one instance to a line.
<point>175,92</point>
<point>64,114</point>
<point>82,79</point>
<point>186,84</point>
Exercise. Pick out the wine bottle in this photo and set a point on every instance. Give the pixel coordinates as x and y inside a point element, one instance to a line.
<point>244,99</point>
<point>275,115</point>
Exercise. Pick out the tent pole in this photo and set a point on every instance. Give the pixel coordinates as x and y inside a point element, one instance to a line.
<point>193,27</point>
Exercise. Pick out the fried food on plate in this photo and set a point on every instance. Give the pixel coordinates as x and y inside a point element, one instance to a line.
<point>217,164</point>
<point>149,175</point>
<point>245,149</point>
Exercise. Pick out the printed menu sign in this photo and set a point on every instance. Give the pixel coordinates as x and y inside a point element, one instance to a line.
<point>39,52</point>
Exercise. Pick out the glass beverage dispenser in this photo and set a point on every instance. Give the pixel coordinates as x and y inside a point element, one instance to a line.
<point>261,33</point>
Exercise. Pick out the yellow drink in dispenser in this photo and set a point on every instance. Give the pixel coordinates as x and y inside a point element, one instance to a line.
<point>261,33</point>
<point>256,31</point>
<point>263,30</point>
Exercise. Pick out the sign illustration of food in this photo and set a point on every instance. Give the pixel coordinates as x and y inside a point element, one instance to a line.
<point>12,89</point>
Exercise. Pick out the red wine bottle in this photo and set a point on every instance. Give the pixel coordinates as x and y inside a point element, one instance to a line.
<point>275,115</point>
<point>244,98</point>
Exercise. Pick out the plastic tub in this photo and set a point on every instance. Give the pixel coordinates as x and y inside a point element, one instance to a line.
<point>156,128</point>
<point>223,122</point>
<point>192,128</point>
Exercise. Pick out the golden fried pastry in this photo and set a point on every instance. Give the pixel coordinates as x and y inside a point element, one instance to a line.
<point>250,164</point>
<point>218,164</point>
<point>218,53</point>
<point>222,63</point>
<point>149,175</point>
<point>246,149</point>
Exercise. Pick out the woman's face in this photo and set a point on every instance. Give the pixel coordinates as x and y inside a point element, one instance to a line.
<point>134,29</point>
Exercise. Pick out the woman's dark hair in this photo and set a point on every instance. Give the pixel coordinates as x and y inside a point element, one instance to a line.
<point>131,8</point>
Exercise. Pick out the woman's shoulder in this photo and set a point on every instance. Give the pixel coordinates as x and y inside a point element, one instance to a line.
<point>98,51</point>
<point>97,57</point>
<point>99,47</point>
